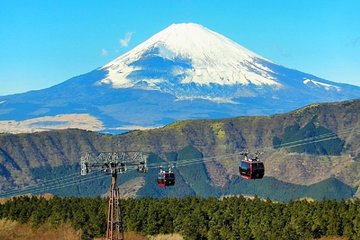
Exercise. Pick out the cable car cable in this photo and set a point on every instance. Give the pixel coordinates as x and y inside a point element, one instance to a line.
<point>187,162</point>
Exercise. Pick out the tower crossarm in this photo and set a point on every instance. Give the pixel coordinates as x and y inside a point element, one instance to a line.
<point>109,162</point>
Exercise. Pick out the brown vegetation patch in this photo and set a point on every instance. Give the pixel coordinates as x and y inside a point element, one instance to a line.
<point>174,236</point>
<point>47,196</point>
<point>333,238</point>
<point>10,230</point>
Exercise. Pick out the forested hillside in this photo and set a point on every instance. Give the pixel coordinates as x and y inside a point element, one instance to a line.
<point>314,151</point>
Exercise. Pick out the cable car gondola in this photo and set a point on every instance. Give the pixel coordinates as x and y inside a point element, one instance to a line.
<point>251,168</point>
<point>166,178</point>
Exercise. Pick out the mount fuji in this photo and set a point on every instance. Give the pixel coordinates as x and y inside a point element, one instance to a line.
<point>185,71</point>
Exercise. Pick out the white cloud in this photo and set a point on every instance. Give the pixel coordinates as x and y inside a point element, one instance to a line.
<point>124,42</point>
<point>104,52</point>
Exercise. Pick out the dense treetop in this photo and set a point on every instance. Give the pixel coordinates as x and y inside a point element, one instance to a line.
<point>196,218</point>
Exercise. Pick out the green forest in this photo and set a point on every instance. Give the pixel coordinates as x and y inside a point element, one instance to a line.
<point>194,217</point>
<point>296,134</point>
<point>190,181</point>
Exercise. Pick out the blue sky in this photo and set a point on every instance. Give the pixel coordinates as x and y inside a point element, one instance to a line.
<point>45,42</point>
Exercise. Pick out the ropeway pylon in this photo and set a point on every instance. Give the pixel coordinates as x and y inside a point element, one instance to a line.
<point>114,229</point>
<point>114,163</point>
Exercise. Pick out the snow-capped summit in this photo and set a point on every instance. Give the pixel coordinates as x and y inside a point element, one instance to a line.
<point>185,71</point>
<point>184,60</point>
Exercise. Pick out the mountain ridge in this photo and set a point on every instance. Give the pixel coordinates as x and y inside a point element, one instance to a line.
<point>218,143</point>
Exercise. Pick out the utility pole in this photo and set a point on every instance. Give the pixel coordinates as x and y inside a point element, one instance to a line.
<point>114,163</point>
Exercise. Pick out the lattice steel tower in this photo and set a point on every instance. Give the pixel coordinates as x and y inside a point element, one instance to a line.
<point>114,163</point>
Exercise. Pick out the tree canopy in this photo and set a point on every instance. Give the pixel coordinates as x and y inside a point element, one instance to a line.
<point>196,218</point>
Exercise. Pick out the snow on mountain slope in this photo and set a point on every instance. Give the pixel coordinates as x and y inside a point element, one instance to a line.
<point>183,72</point>
<point>317,84</point>
<point>192,58</point>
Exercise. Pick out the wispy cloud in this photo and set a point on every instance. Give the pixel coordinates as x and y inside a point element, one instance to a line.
<point>104,52</point>
<point>281,51</point>
<point>355,42</point>
<point>124,42</point>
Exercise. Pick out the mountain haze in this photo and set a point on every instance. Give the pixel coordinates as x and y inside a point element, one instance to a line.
<point>185,71</point>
